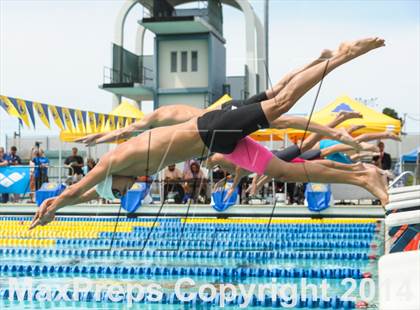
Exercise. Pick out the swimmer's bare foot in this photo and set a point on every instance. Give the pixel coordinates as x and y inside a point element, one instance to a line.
<point>360,47</point>
<point>326,54</point>
<point>376,184</point>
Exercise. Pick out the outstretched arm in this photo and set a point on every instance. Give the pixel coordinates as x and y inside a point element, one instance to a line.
<point>345,148</point>
<point>315,137</point>
<point>377,136</point>
<point>74,194</point>
<point>301,123</point>
<point>239,174</point>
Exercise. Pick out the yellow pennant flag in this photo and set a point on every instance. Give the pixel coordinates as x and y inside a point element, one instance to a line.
<point>42,111</point>
<point>23,113</point>
<point>100,123</point>
<point>67,119</point>
<point>57,116</point>
<point>80,121</point>
<point>128,121</point>
<point>8,106</point>
<point>92,121</point>
<point>111,122</point>
<point>121,121</point>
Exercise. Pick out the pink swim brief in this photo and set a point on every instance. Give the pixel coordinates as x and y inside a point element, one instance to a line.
<point>250,155</point>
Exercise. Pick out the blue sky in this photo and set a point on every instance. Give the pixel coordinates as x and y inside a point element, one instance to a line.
<point>55,51</point>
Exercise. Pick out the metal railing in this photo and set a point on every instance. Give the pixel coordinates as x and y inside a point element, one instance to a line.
<point>112,76</point>
<point>400,181</point>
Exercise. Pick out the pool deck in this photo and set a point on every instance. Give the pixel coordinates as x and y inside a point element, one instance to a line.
<point>194,210</point>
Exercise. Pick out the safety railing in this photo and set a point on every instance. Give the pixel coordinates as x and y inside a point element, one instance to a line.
<point>401,179</point>
<point>113,76</point>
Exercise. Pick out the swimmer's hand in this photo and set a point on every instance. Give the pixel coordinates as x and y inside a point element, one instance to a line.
<point>393,136</point>
<point>252,189</point>
<point>229,193</point>
<point>90,139</point>
<point>353,128</point>
<point>44,215</point>
<point>345,115</point>
<point>369,147</point>
<point>343,136</point>
<point>219,185</point>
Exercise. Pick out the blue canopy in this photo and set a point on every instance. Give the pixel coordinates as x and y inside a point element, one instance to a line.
<point>410,157</point>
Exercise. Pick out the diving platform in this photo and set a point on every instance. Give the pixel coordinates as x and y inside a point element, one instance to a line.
<point>134,91</point>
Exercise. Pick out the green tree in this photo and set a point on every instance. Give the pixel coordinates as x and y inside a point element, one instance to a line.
<point>392,113</point>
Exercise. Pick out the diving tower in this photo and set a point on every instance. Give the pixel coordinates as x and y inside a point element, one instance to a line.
<point>188,64</point>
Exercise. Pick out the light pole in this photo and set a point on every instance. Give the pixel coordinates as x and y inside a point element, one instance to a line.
<point>266,27</point>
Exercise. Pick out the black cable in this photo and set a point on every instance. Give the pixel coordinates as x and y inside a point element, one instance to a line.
<point>311,113</point>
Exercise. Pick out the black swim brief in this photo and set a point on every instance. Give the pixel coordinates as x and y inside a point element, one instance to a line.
<point>311,155</point>
<point>287,154</point>
<point>234,104</point>
<point>293,151</point>
<point>220,130</point>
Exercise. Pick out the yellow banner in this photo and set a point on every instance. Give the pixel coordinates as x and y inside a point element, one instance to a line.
<point>8,106</point>
<point>42,113</point>
<point>121,121</point>
<point>23,113</point>
<point>111,122</point>
<point>101,122</point>
<point>67,119</point>
<point>80,121</point>
<point>56,117</point>
<point>92,121</point>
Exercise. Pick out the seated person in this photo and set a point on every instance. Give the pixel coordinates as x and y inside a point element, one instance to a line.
<point>195,183</point>
<point>172,183</point>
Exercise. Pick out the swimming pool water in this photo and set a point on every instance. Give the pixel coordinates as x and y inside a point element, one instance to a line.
<point>135,253</point>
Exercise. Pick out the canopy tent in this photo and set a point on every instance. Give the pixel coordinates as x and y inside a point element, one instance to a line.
<point>373,120</point>
<point>125,109</point>
<point>411,157</point>
<point>220,101</point>
<point>268,135</point>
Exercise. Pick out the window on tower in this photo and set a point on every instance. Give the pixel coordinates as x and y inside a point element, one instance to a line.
<point>174,64</point>
<point>194,61</point>
<point>184,60</point>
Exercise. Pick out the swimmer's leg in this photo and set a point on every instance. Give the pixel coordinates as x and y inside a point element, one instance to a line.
<point>163,116</point>
<point>273,91</point>
<point>369,178</point>
<point>304,81</point>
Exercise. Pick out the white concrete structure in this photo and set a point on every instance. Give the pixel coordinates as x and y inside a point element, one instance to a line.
<point>255,46</point>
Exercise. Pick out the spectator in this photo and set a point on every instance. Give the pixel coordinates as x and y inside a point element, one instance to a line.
<point>195,178</point>
<point>75,162</point>
<point>14,160</point>
<point>90,164</point>
<point>41,168</point>
<point>32,186</point>
<point>172,178</point>
<point>382,161</point>
<point>172,173</point>
<point>3,163</point>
